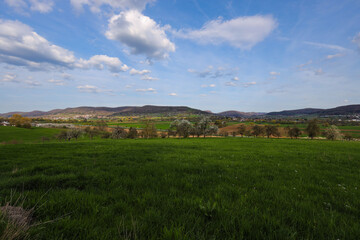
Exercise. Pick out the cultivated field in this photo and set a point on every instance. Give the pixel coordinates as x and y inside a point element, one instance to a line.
<point>213,188</point>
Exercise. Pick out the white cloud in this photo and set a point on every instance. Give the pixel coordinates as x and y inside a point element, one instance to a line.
<point>356,40</point>
<point>95,5</point>
<point>327,46</point>
<point>148,78</point>
<point>328,57</point>
<point>235,79</point>
<point>18,4</point>
<point>100,61</point>
<point>146,90</point>
<point>89,89</point>
<point>9,78</point>
<point>33,83</point>
<point>206,86</point>
<point>141,34</point>
<point>139,72</point>
<point>230,84</point>
<point>241,32</point>
<point>249,84</point>
<point>274,73</point>
<point>20,45</point>
<point>57,82</point>
<point>42,6</point>
<point>173,94</point>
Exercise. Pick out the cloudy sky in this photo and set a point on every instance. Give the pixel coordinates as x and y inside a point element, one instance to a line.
<point>246,55</point>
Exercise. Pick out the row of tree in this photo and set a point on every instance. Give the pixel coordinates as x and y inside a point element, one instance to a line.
<point>184,128</point>
<point>312,130</point>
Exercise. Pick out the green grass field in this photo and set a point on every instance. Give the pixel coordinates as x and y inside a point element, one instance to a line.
<point>26,135</point>
<point>214,188</point>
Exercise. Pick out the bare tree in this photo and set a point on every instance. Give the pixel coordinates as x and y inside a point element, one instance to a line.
<point>242,129</point>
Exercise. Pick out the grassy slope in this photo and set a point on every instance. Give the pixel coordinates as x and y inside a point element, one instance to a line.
<point>193,189</point>
<point>26,135</point>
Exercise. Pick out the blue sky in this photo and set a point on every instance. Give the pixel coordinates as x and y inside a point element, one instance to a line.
<point>213,55</point>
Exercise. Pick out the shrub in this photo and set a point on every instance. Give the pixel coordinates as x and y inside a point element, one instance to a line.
<point>133,133</point>
<point>119,133</point>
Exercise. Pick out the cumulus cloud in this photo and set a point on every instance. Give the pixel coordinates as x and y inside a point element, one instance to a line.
<point>42,6</point>
<point>95,5</point>
<point>173,94</point>
<point>139,72</point>
<point>20,45</point>
<point>151,90</point>
<point>141,34</point>
<point>100,61</point>
<point>148,78</point>
<point>241,32</point>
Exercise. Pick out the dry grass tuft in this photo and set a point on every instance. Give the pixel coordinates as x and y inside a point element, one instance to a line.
<point>16,221</point>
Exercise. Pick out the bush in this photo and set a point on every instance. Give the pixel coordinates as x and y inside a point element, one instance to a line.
<point>62,136</point>
<point>119,133</point>
<point>133,133</point>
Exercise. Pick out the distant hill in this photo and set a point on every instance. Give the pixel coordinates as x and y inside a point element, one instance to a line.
<point>117,111</point>
<point>342,110</point>
<point>239,114</point>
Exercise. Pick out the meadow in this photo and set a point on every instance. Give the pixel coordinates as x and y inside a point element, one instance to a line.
<point>25,135</point>
<point>213,188</point>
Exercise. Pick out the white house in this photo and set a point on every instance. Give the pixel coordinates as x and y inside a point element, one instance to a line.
<point>4,123</point>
